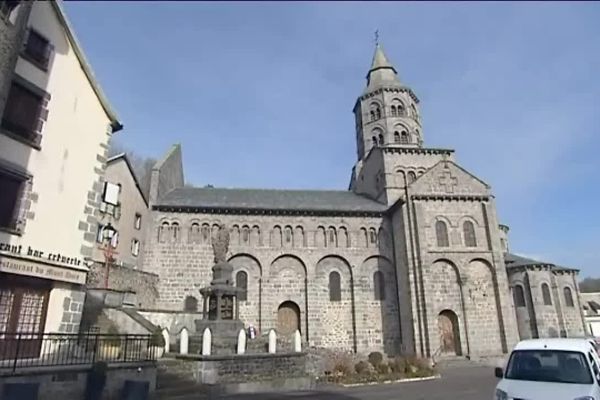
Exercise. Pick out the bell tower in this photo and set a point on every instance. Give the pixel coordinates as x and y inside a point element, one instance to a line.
<point>387,112</point>
<point>389,136</point>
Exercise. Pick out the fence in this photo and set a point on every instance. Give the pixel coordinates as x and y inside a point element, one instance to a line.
<point>26,350</point>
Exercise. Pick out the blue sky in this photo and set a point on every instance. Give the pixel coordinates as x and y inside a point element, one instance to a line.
<point>260,95</point>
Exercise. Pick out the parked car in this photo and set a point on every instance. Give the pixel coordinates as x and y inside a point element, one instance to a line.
<point>551,369</point>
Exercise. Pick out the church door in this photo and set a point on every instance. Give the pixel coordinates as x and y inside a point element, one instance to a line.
<point>449,334</point>
<point>288,318</point>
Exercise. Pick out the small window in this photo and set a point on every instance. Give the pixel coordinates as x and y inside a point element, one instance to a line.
<point>396,137</point>
<point>22,112</point>
<point>135,247</point>
<point>372,115</point>
<point>372,236</point>
<point>411,177</point>
<point>335,289</point>
<point>241,282</point>
<point>374,140</point>
<point>469,234</point>
<point>137,224</point>
<point>205,233</point>
<point>10,196</point>
<point>380,139</point>
<point>332,236</point>
<point>441,233</point>
<point>519,296</point>
<point>378,113</point>
<point>379,285</point>
<point>546,294</point>
<point>404,138</point>
<point>110,194</point>
<point>37,49</point>
<point>175,231</point>
<point>569,297</point>
<point>288,235</point>
<point>394,112</point>
<point>245,234</point>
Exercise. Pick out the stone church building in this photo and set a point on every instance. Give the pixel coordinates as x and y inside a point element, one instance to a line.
<point>410,259</point>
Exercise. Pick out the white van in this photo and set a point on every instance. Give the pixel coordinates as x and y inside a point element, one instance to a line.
<point>550,369</point>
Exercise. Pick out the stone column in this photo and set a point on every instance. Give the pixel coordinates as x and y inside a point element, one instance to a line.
<point>219,306</point>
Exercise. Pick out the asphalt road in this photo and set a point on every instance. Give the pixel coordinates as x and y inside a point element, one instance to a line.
<point>456,383</point>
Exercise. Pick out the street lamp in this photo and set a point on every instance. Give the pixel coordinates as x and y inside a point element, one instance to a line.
<point>108,233</point>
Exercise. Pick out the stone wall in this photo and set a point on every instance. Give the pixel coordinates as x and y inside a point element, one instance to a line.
<point>144,284</point>
<point>286,258</point>
<point>167,174</point>
<point>70,382</point>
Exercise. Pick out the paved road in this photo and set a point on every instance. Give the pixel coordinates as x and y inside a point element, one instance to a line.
<point>457,383</point>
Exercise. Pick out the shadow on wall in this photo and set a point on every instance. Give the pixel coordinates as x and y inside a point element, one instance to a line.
<point>385,290</point>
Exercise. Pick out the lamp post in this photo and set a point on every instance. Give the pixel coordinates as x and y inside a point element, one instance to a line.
<point>108,233</point>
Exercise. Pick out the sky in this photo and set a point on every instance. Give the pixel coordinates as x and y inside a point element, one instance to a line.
<point>261,95</point>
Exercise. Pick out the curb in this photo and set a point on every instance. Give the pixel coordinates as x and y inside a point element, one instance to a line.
<point>427,378</point>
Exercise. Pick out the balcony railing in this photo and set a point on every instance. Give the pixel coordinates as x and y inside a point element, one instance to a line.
<point>20,351</point>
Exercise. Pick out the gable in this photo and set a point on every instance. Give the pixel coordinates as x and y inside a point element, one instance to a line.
<point>448,179</point>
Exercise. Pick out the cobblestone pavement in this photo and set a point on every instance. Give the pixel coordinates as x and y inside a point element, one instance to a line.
<point>456,383</point>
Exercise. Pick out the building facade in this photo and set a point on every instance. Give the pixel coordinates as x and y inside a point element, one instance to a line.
<point>54,132</point>
<point>128,217</point>
<point>410,259</point>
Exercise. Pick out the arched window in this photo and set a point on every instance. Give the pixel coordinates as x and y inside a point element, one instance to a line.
<point>372,115</point>
<point>335,288</point>
<point>194,234</point>
<point>469,234</point>
<point>299,239</point>
<point>320,237</point>
<point>332,237</point>
<point>546,294</point>
<point>378,113</point>
<point>241,282</point>
<point>343,238</point>
<point>276,237</point>
<point>401,110</point>
<point>379,285</point>
<point>380,139</point>
<point>404,138</point>
<point>568,297</point>
<point>205,233</point>
<point>441,233</point>
<point>162,232</point>
<point>175,231</point>
<point>394,113</point>
<point>255,238</point>
<point>372,236</point>
<point>364,240</point>
<point>519,296</point>
<point>396,137</point>
<point>190,304</point>
<point>288,235</point>
<point>411,177</point>
<point>374,140</point>
<point>245,235</point>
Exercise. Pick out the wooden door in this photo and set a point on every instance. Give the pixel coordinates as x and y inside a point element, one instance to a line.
<point>448,329</point>
<point>288,318</point>
<point>22,316</point>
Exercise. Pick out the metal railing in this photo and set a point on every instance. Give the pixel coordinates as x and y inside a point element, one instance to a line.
<point>20,350</point>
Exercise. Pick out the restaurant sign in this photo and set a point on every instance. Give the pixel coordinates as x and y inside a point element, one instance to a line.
<point>41,270</point>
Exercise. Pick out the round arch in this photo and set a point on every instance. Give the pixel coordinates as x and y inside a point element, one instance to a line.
<point>279,259</point>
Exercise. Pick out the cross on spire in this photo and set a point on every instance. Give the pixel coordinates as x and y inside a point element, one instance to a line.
<point>377,37</point>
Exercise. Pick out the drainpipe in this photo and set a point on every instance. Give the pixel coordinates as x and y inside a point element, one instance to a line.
<point>354,340</point>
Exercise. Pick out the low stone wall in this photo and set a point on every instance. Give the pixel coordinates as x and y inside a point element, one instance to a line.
<point>143,284</point>
<point>69,382</point>
<point>246,373</point>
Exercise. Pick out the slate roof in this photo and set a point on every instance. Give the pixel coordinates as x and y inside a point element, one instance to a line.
<point>270,199</point>
<point>514,261</point>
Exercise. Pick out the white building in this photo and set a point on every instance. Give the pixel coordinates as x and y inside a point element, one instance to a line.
<point>54,132</point>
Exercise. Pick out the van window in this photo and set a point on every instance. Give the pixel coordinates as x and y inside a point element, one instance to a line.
<point>549,366</point>
<point>595,370</point>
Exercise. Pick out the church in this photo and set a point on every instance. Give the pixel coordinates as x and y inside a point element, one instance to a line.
<point>411,259</point>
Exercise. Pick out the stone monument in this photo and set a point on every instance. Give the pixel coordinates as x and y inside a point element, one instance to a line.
<point>220,304</point>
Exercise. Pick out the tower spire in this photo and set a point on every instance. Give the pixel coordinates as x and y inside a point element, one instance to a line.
<point>382,71</point>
